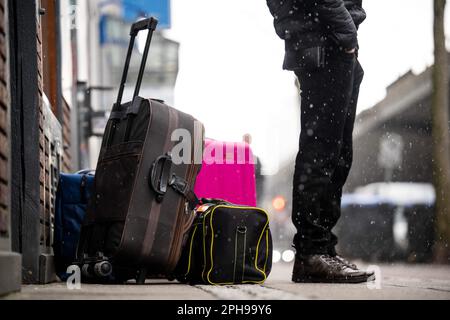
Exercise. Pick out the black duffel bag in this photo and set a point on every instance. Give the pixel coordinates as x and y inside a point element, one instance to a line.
<point>228,244</point>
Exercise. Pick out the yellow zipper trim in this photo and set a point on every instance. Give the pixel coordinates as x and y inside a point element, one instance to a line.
<point>267,249</point>
<point>190,251</point>
<point>212,244</point>
<point>204,244</point>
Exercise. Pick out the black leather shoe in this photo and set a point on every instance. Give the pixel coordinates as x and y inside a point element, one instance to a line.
<point>346,262</point>
<point>328,269</point>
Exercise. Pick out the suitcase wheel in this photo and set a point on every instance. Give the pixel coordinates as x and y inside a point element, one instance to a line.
<point>103,269</point>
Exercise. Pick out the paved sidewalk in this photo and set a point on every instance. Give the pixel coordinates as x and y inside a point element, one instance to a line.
<point>397,281</point>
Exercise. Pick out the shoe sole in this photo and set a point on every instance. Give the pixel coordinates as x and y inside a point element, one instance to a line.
<point>334,280</point>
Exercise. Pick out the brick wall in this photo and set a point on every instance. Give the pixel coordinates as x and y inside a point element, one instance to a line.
<point>67,158</point>
<point>43,174</point>
<point>49,46</point>
<point>4,142</point>
<point>46,77</point>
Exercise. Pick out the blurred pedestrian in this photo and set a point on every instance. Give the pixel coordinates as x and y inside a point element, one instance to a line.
<point>321,47</point>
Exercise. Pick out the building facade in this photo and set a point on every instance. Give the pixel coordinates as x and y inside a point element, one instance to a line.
<point>35,135</point>
<point>392,140</point>
<point>60,66</point>
<point>10,262</point>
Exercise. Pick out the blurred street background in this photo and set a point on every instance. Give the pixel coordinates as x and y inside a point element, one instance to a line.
<point>220,60</point>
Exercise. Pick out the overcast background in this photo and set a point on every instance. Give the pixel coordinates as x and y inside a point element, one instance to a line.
<point>230,73</point>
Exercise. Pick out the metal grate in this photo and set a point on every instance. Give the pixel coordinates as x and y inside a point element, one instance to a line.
<point>51,161</point>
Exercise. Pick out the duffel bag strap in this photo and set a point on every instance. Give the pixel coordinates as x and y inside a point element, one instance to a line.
<point>239,254</point>
<point>181,186</point>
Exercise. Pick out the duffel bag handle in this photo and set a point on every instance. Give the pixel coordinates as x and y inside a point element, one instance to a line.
<point>213,201</point>
<point>182,187</point>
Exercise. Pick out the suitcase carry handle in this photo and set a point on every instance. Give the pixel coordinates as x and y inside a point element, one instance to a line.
<point>160,178</point>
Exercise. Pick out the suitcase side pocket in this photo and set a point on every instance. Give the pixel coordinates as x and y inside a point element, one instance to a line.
<point>114,180</point>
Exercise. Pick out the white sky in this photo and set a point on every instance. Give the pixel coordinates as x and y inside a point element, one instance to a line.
<point>230,73</point>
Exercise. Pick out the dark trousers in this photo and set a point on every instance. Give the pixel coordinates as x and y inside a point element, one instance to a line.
<point>329,96</point>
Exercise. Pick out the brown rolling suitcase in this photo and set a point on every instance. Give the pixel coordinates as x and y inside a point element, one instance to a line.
<point>142,207</point>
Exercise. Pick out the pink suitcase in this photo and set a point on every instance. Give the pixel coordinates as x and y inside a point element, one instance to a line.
<point>228,173</point>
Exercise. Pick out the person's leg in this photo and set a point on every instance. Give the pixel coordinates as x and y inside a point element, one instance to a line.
<point>325,96</point>
<point>342,170</point>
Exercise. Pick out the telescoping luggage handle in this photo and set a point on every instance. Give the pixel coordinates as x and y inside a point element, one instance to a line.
<point>117,112</point>
<point>146,24</point>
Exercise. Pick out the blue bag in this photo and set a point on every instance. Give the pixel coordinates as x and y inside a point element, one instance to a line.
<point>72,196</point>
